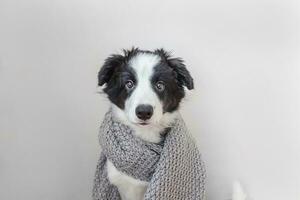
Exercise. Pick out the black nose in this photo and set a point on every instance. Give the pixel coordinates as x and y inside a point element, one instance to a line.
<point>144,112</point>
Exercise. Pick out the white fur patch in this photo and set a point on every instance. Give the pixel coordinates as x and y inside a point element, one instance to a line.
<point>129,188</point>
<point>151,132</point>
<point>143,65</point>
<point>238,192</point>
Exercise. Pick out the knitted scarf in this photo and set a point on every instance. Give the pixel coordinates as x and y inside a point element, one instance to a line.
<point>173,168</point>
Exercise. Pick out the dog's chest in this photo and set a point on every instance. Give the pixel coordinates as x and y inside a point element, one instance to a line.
<point>129,187</point>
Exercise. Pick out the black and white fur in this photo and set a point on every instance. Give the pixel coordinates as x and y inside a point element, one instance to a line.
<point>145,89</point>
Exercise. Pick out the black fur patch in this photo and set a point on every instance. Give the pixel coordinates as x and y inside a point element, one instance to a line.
<point>173,92</point>
<point>114,73</point>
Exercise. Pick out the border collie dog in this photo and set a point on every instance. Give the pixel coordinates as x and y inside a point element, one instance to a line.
<point>145,89</point>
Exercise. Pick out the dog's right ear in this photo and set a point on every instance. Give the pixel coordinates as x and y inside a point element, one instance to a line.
<point>108,68</point>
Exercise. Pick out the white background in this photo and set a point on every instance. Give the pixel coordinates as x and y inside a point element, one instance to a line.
<point>244,112</point>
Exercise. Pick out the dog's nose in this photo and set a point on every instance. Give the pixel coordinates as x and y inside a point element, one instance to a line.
<point>144,112</point>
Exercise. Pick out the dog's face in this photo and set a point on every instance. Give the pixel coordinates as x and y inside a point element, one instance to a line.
<point>145,85</point>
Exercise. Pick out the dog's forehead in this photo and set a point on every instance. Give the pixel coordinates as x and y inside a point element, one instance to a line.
<point>144,63</point>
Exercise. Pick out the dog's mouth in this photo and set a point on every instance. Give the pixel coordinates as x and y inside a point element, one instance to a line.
<point>143,123</point>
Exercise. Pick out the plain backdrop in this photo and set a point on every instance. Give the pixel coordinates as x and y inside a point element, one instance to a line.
<point>244,111</point>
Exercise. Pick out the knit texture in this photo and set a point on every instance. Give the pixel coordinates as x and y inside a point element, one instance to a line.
<point>173,168</point>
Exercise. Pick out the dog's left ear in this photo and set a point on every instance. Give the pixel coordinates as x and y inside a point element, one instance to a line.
<point>183,75</point>
<point>108,68</point>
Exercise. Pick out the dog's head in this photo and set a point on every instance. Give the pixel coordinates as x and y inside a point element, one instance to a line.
<point>145,85</point>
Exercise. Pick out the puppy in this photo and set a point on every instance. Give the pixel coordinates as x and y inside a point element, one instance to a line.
<point>145,89</point>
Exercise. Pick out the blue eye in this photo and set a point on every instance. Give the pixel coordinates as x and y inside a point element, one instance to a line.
<point>129,84</point>
<point>160,86</point>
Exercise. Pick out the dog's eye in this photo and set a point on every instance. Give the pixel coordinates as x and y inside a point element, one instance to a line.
<point>129,84</point>
<point>160,86</point>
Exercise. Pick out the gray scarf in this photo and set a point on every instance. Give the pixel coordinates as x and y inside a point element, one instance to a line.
<point>173,168</point>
